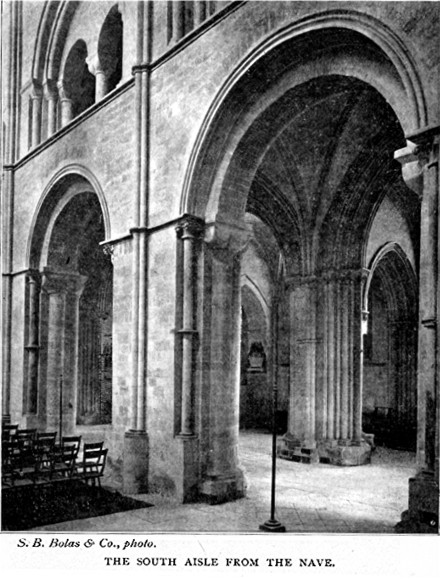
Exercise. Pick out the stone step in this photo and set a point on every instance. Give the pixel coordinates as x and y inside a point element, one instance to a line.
<point>298,454</point>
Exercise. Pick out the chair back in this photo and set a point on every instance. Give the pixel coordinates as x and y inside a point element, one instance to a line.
<point>71,442</point>
<point>94,461</point>
<point>92,446</point>
<point>8,430</point>
<point>44,445</point>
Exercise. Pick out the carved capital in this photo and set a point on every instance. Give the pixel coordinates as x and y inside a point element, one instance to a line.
<point>61,85</point>
<point>345,275</point>
<point>36,90</point>
<point>190,227</point>
<point>227,237</point>
<point>50,90</point>
<point>54,282</point>
<point>296,281</point>
<point>421,151</point>
<point>94,64</point>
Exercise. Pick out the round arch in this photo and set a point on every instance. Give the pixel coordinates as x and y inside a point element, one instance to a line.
<point>64,185</point>
<point>376,54</point>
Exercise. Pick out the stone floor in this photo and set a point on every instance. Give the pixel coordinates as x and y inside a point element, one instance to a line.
<point>310,498</point>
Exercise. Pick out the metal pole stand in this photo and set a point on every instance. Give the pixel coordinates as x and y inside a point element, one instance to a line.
<point>272,525</point>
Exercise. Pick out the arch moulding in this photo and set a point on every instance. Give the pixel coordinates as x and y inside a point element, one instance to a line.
<point>405,95</point>
<point>389,248</point>
<point>55,197</point>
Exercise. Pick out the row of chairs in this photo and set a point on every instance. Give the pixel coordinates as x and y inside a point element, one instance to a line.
<point>33,458</point>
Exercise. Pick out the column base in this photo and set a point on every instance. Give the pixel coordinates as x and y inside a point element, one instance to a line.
<point>290,448</point>
<point>344,453</point>
<point>222,489</point>
<point>188,485</point>
<point>423,506</point>
<point>135,466</point>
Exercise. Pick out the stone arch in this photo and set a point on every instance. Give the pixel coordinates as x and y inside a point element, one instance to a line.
<point>255,392</point>
<point>366,183</point>
<point>78,81</point>
<point>393,252</point>
<point>381,55</point>
<point>282,84</point>
<point>45,26</point>
<point>391,294</point>
<point>69,307</point>
<point>110,48</point>
<point>62,186</point>
<point>65,66</point>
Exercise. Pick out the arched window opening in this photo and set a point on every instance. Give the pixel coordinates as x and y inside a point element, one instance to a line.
<point>110,51</point>
<point>79,82</point>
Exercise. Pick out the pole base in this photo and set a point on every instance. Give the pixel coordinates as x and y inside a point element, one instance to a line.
<point>272,526</point>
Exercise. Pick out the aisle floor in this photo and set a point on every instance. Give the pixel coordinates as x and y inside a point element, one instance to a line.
<point>315,498</point>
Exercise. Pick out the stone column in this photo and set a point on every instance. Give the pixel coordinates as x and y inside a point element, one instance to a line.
<point>51,96</point>
<point>12,13</point>
<point>95,67</point>
<point>342,372</point>
<point>32,346</point>
<point>36,100</point>
<point>403,394</point>
<point>299,443</point>
<point>189,230</point>
<point>420,168</point>
<point>211,7</point>
<point>224,479</point>
<point>66,104</point>
<point>178,20</point>
<point>199,12</point>
<point>135,467</point>
<point>63,290</point>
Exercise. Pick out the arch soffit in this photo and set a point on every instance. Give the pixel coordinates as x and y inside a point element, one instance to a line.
<point>82,181</point>
<point>403,91</point>
<point>248,285</point>
<point>53,43</point>
<point>387,250</point>
<point>45,27</point>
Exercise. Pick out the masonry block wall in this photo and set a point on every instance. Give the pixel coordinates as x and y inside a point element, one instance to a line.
<point>217,122</point>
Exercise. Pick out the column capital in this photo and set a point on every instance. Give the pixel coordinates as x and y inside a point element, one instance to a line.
<point>295,281</point>
<point>421,151</point>
<point>50,89</point>
<point>345,275</point>
<point>61,85</point>
<point>230,238</point>
<point>54,282</point>
<point>425,137</point>
<point>33,275</point>
<point>94,64</point>
<point>36,90</point>
<point>190,226</point>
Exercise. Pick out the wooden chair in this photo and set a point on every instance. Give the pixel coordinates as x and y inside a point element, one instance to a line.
<point>43,450</point>
<point>10,453</point>
<point>64,457</point>
<point>68,442</point>
<point>63,464</point>
<point>8,431</point>
<point>91,467</point>
<point>72,442</point>
<point>25,438</point>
